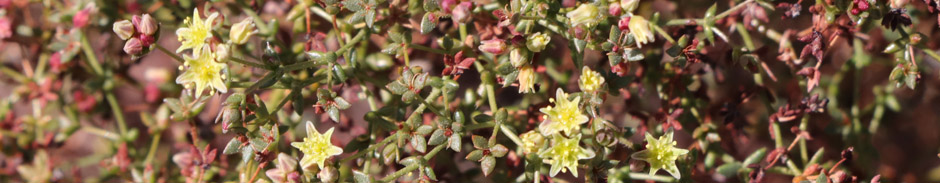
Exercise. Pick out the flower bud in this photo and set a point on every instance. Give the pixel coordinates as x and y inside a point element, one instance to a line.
<point>586,14</point>
<point>629,5</point>
<point>518,57</point>
<point>537,42</point>
<point>146,25</point>
<point>624,24</point>
<point>133,46</point>
<point>328,174</point>
<point>222,52</point>
<point>461,12</point>
<point>80,19</point>
<point>614,9</point>
<point>494,46</point>
<point>124,29</point>
<point>241,31</point>
<point>6,27</point>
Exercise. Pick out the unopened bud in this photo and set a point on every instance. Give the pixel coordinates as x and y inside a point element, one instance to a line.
<point>133,46</point>
<point>147,25</point>
<point>518,57</point>
<point>461,12</point>
<point>614,9</point>
<point>241,31</point>
<point>124,29</point>
<point>222,52</point>
<point>629,5</point>
<point>494,46</point>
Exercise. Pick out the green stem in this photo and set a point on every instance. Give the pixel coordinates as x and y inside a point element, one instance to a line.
<point>248,63</point>
<point>428,49</point>
<point>118,114</point>
<point>414,166</point>
<point>746,37</point>
<point>13,73</point>
<point>153,148</point>
<point>169,53</point>
<point>369,149</point>
<point>644,176</point>
<point>101,132</point>
<point>90,53</point>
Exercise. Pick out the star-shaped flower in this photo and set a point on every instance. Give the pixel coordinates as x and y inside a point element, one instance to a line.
<point>565,153</point>
<point>565,116</point>
<point>661,154</point>
<point>316,147</point>
<point>590,80</point>
<point>197,31</point>
<point>202,72</point>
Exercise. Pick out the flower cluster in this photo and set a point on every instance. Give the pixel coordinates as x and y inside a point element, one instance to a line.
<point>140,32</point>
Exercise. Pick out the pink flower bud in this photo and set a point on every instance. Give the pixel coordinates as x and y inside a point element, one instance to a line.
<point>133,46</point>
<point>146,25</point>
<point>461,12</point>
<point>614,9</point>
<point>81,18</point>
<point>6,28</point>
<point>55,61</point>
<point>494,46</point>
<point>446,5</point>
<point>624,24</point>
<point>145,40</point>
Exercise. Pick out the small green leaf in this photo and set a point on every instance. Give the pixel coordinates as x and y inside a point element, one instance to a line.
<point>499,150</point>
<point>232,147</point>
<point>341,103</point>
<point>428,22</point>
<point>360,177</point>
<point>454,142</point>
<point>479,142</point>
<point>755,157</point>
<point>397,88</point>
<point>419,143</point>
<point>437,137</point>
<point>475,155</point>
<point>424,130</point>
<point>631,54</point>
<point>488,163</point>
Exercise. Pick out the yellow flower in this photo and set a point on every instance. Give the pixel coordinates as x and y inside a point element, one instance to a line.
<point>537,42</point>
<point>590,80</point>
<point>629,5</point>
<point>202,72</point>
<point>194,36</point>
<point>661,154</point>
<point>641,31</point>
<point>526,79</point>
<point>532,141</point>
<point>565,116</point>
<point>316,147</point>
<point>565,153</point>
<point>586,14</point>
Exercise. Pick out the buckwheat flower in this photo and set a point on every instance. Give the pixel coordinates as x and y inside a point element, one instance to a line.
<point>590,80</point>
<point>316,147</point>
<point>565,116</point>
<point>532,141</point>
<point>661,154</point>
<point>586,14</point>
<point>494,46</point>
<point>197,31</point>
<point>124,29</point>
<point>537,42</point>
<point>629,5</point>
<point>518,57</point>
<point>284,170</point>
<point>241,31</point>
<point>133,46</point>
<point>202,71</point>
<point>641,31</point>
<point>526,79</point>
<point>564,154</point>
